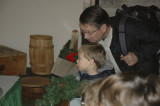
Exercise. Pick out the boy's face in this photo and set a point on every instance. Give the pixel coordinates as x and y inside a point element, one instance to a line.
<point>83,63</point>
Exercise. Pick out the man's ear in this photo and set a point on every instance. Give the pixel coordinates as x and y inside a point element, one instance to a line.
<point>103,27</point>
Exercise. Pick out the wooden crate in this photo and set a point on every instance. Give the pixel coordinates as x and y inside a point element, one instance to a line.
<point>14,61</point>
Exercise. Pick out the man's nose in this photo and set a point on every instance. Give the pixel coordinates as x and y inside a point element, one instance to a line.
<point>86,36</point>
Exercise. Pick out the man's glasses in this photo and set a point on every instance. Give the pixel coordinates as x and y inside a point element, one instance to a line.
<point>90,33</point>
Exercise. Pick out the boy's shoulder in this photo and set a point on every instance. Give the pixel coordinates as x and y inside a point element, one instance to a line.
<point>107,66</point>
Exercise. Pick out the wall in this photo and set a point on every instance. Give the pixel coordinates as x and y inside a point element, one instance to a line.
<point>21,18</point>
<point>111,5</point>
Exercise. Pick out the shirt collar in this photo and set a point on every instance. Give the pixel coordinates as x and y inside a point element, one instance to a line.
<point>108,39</point>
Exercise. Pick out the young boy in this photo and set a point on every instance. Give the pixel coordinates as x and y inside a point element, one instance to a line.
<point>91,57</point>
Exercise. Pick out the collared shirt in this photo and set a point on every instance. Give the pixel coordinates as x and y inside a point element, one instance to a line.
<point>103,74</point>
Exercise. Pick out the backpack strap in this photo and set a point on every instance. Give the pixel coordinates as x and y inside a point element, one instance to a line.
<point>133,12</point>
<point>122,39</point>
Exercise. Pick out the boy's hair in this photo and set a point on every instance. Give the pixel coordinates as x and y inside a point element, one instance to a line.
<point>94,51</point>
<point>125,90</point>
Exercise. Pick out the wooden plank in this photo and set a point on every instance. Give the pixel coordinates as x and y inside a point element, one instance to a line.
<point>74,40</point>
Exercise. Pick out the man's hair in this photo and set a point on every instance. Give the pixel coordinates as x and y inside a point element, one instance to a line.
<point>94,51</point>
<point>124,90</point>
<point>95,16</point>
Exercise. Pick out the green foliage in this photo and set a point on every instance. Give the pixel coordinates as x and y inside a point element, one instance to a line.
<point>60,89</point>
<point>66,52</point>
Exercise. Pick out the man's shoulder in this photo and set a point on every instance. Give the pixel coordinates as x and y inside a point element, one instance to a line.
<point>130,21</point>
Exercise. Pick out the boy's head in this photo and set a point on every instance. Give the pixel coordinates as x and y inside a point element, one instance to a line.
<point>92,51</point>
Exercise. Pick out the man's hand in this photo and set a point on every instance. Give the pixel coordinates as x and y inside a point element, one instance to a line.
<point>130,59</point>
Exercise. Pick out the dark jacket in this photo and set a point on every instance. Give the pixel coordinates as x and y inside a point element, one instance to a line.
<point>142,39</point>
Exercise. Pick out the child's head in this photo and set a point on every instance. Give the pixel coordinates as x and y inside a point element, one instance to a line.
<point>92,51</point>
<point>125,90</point>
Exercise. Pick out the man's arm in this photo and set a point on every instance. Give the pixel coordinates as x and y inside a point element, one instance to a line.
<point>145,40</point>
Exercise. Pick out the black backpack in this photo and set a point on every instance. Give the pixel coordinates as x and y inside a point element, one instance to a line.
<point>148,14</point>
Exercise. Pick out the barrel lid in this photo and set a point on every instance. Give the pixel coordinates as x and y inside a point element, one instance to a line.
<point>45,37</point>
<point>34,81</point>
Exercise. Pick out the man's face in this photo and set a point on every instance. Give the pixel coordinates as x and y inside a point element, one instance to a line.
<point>91,33</point>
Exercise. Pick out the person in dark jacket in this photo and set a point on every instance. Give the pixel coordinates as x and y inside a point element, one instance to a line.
<point>91,57</point>
<point>142,40</point>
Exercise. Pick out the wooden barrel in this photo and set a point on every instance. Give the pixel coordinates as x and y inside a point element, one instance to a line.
<point>33,87</point>
<point>41,54</point>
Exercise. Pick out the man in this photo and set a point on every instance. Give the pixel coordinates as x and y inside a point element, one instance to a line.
<point>142,40</point>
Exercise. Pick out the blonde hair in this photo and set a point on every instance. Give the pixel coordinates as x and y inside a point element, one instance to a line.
<point>94,51</point>
<point>125,90</point>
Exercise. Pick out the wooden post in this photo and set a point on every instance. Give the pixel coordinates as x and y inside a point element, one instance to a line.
<point>74,40</point>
